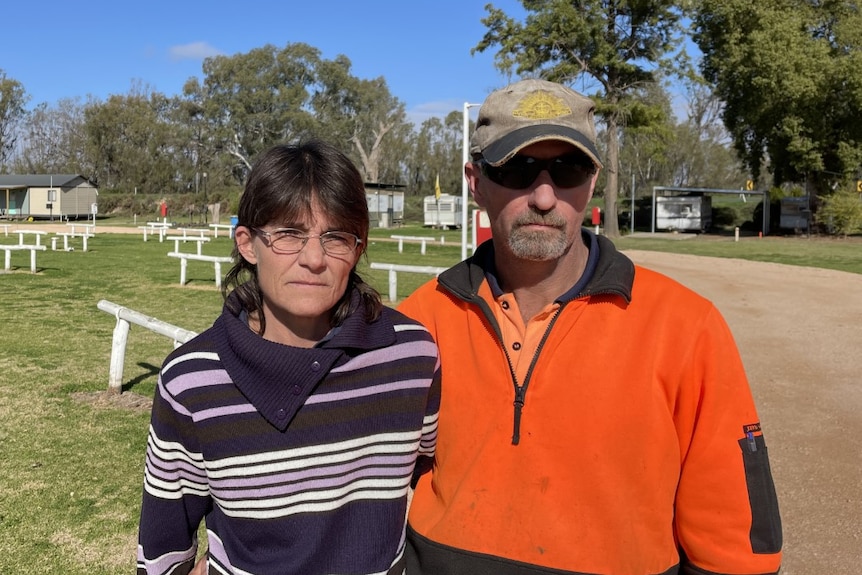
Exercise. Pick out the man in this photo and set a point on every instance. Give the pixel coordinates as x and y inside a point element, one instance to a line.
<point>595,417</point>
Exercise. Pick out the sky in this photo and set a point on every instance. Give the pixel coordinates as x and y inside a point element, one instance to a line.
<point>96,48</point>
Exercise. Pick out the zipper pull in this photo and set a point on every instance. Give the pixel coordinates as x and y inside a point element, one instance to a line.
<point>520,392</point>
<point>752,445</point>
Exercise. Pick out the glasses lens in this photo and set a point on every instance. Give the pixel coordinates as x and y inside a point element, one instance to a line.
<point>291,241</point>
<point>571,171</point>
<point>516,174</point>
<point>287,240</point>
<point>520,172</point>
<point>338,243</point>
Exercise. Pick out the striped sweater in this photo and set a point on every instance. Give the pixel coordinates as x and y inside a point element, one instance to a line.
<point>299,460</point>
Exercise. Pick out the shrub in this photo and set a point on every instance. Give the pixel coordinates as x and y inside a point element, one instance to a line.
<point>841,212</point>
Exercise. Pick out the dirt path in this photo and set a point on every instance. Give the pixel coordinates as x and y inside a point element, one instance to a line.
<point>800,334</point>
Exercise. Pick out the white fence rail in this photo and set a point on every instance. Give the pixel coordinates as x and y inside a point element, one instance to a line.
<point>126,317</point>
<point>393,270</point>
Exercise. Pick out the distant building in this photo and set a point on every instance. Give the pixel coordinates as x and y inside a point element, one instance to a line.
<point>385,204</point>
<point>44,196</point>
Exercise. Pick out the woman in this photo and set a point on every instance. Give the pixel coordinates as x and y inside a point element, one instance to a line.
<point>295,424</point>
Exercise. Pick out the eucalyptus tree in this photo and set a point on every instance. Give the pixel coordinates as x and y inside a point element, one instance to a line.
<point>197,152</point>
<point>53,140</point>
<point>614,47</point>
<point>436,152</point>
<point>647,141</point>
<point>13,99</point>
<point>128,138</point>
<point>363,117</point>
<point>701,151</point>
<point>253,100</point>
<point>380,130</point>
<point>790,75</point>
<point>682,146</point>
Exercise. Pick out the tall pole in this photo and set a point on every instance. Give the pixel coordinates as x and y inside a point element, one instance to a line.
<point>464,188</point>
<point>632,223</point>
<point>206,203</point>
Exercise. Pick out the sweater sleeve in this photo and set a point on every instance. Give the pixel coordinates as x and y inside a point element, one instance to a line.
<point>175,493</point>
<point>428,443</point>
<point>727,518</point>
<point>412,307</point>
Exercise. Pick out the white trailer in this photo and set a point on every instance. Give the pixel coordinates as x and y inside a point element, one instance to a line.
<point>683,213</point>
<point>444,212</point>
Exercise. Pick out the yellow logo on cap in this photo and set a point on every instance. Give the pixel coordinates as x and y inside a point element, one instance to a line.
<point>541,106</point>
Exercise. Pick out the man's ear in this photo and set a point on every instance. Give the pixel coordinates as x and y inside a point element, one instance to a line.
<point>473,173</point>
<point>243,237</point>
<point>593,185</point>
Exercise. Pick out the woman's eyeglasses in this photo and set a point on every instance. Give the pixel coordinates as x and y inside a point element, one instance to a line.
<point>291,241</point>
<point>520,172</point>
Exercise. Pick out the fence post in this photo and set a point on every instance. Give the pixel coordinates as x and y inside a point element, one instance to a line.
<point>393,285</point>
<point>118,355</point>
<point>125,317</point>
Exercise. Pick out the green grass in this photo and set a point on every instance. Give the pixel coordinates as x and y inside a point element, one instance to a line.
<point>837,254</point>
<point>71,469</point>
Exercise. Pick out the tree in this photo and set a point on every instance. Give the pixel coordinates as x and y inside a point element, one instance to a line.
<point>436,151</point>
<point>647,145</point>
<point>53,140</point>
<point>13,98</point>
<point>363,114</point>
<point>700,155</point>
<point>129,140</point>
<point>252,101</point>
<point>790,75</point>
<point>618,44</point>
<point>379,118</point>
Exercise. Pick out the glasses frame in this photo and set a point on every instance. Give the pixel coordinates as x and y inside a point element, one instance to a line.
<point>520,177</point>
<point>272,238</point>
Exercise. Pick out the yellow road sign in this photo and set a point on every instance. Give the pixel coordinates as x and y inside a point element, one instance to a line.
<point>749,185</point>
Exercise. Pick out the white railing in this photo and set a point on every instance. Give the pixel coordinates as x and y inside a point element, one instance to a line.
<point>393,270</point>
<point>125,317</point>
<point>424,239</point>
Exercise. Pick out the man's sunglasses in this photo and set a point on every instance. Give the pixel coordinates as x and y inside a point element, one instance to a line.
<point>520,172</point>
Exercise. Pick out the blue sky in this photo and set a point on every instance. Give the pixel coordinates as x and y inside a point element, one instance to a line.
<point>421,47</point>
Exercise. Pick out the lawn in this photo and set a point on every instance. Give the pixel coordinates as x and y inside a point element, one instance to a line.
<point>72,461</point>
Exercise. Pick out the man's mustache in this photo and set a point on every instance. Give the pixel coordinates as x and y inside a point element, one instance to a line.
<point>552,219</point>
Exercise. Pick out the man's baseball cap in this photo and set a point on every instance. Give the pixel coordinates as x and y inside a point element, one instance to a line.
<point>531,111</point>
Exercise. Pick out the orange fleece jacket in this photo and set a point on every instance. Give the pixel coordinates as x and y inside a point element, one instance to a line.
<point>640,448</point>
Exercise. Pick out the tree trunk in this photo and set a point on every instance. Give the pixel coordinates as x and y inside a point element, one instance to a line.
<point>612,184</point>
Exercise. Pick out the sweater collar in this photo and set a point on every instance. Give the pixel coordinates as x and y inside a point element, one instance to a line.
<point>278,378</point>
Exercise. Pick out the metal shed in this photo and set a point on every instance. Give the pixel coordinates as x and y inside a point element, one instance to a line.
<point>385,204</point>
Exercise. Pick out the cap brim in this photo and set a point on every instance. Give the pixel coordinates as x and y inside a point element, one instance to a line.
<point>503,149</point>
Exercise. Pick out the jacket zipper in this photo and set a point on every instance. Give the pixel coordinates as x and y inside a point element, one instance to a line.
<point>521,390</point>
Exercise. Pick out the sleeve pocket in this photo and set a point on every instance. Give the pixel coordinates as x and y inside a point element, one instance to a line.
<point>765,535</point>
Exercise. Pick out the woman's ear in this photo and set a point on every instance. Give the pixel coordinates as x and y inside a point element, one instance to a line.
<point>244,237</point>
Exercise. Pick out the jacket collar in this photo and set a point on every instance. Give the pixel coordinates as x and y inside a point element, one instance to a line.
<point>608,272</point>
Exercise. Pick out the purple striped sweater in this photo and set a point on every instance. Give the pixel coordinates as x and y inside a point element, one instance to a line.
<point>299,460</point>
